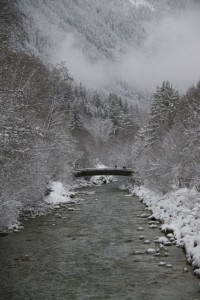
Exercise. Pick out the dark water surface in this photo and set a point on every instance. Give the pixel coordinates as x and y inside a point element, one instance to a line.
<point>90,254</point>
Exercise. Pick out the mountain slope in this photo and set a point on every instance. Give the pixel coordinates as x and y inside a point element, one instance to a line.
<point>105,26</point>
<point>111,45</point>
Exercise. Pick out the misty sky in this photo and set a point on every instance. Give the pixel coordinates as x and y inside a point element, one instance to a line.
<point>171,52</point>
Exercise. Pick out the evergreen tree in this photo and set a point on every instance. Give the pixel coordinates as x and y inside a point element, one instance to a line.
<point>75,120</point>
<point>166,99</point>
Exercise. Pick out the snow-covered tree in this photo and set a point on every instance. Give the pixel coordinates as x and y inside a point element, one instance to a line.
<point>165,102</point>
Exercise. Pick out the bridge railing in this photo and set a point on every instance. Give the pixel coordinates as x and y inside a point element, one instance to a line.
<point>105,171</point>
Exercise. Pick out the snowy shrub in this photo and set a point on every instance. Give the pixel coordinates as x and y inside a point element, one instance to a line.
<point>9,214</point>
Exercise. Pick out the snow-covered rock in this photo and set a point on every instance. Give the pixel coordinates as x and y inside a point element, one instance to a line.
<point>150,251</point>
<point>146,242</point>
<point>140,228</point>
<point>162,263</point>
<point>99,180</point>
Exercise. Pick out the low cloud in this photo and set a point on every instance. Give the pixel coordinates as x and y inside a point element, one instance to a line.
<point>80,67</point>
<point>171,51</point>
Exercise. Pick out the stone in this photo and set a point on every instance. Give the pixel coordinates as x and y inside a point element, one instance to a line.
<point>144,216</point>
<point>170,235</point>
<point>185,270</point>
<point>137,252</point>
<point>57,206</point>
<point>72,195</point>
<point>157,254</point>
<point>153,226</point>
<point>161,264</point>
<point>167,243</point>
<point>150,251</point>
<point>152,218</point>
<point>70,209</point>
<point>58,215</point>
<point>146,242</point>
<point>140,228</point>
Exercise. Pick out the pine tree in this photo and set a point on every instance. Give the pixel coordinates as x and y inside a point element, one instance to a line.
<point>166,99</point>
<point>116,113</point>
<point>75,121</point>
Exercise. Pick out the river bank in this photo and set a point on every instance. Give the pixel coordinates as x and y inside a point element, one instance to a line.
<point>178,212</point>
<point>12,213</point>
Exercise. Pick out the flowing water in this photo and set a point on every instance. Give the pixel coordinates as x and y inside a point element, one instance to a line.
<point>90,253</point>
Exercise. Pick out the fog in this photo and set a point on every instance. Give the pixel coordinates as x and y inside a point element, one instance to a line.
<point>171,51</point>
<point>80,67</point>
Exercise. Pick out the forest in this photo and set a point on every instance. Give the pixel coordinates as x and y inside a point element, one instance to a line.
<point>52,124</point>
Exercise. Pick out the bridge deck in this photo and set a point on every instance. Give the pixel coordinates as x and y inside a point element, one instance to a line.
<point>105,171</point>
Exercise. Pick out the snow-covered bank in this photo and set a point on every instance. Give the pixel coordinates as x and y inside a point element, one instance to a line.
<point>58,193</point>
<point>179,212</point>
<point>12,211</point>
<point>9,215</point>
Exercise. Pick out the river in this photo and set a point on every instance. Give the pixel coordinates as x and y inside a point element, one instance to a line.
<point>89,251</point>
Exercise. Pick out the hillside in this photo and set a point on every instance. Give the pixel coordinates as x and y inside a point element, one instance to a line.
<point>48,117</point>
<point>95,38</point>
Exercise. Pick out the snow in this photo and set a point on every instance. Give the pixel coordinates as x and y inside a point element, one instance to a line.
<point>179,213</point>
<point>9,215</point>
<point>99,180</point>
<point>150,251</point>
<point>59,194</point>
<point>162,240</point>
<point>94,180</point>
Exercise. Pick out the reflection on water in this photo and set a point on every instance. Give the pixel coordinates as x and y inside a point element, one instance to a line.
<point>94,252</point>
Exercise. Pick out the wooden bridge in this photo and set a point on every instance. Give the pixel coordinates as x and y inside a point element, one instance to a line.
<point>105,171</point>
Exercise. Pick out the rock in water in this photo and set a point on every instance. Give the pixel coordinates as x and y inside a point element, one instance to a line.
<point>161,264</point>
<point>140,229</point>
<point>146,242</point>
<point>150,251</point>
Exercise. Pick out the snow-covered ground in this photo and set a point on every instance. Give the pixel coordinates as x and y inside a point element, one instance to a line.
<point>179,212</point>
<point>59,193</point>
<point>99,180</point>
